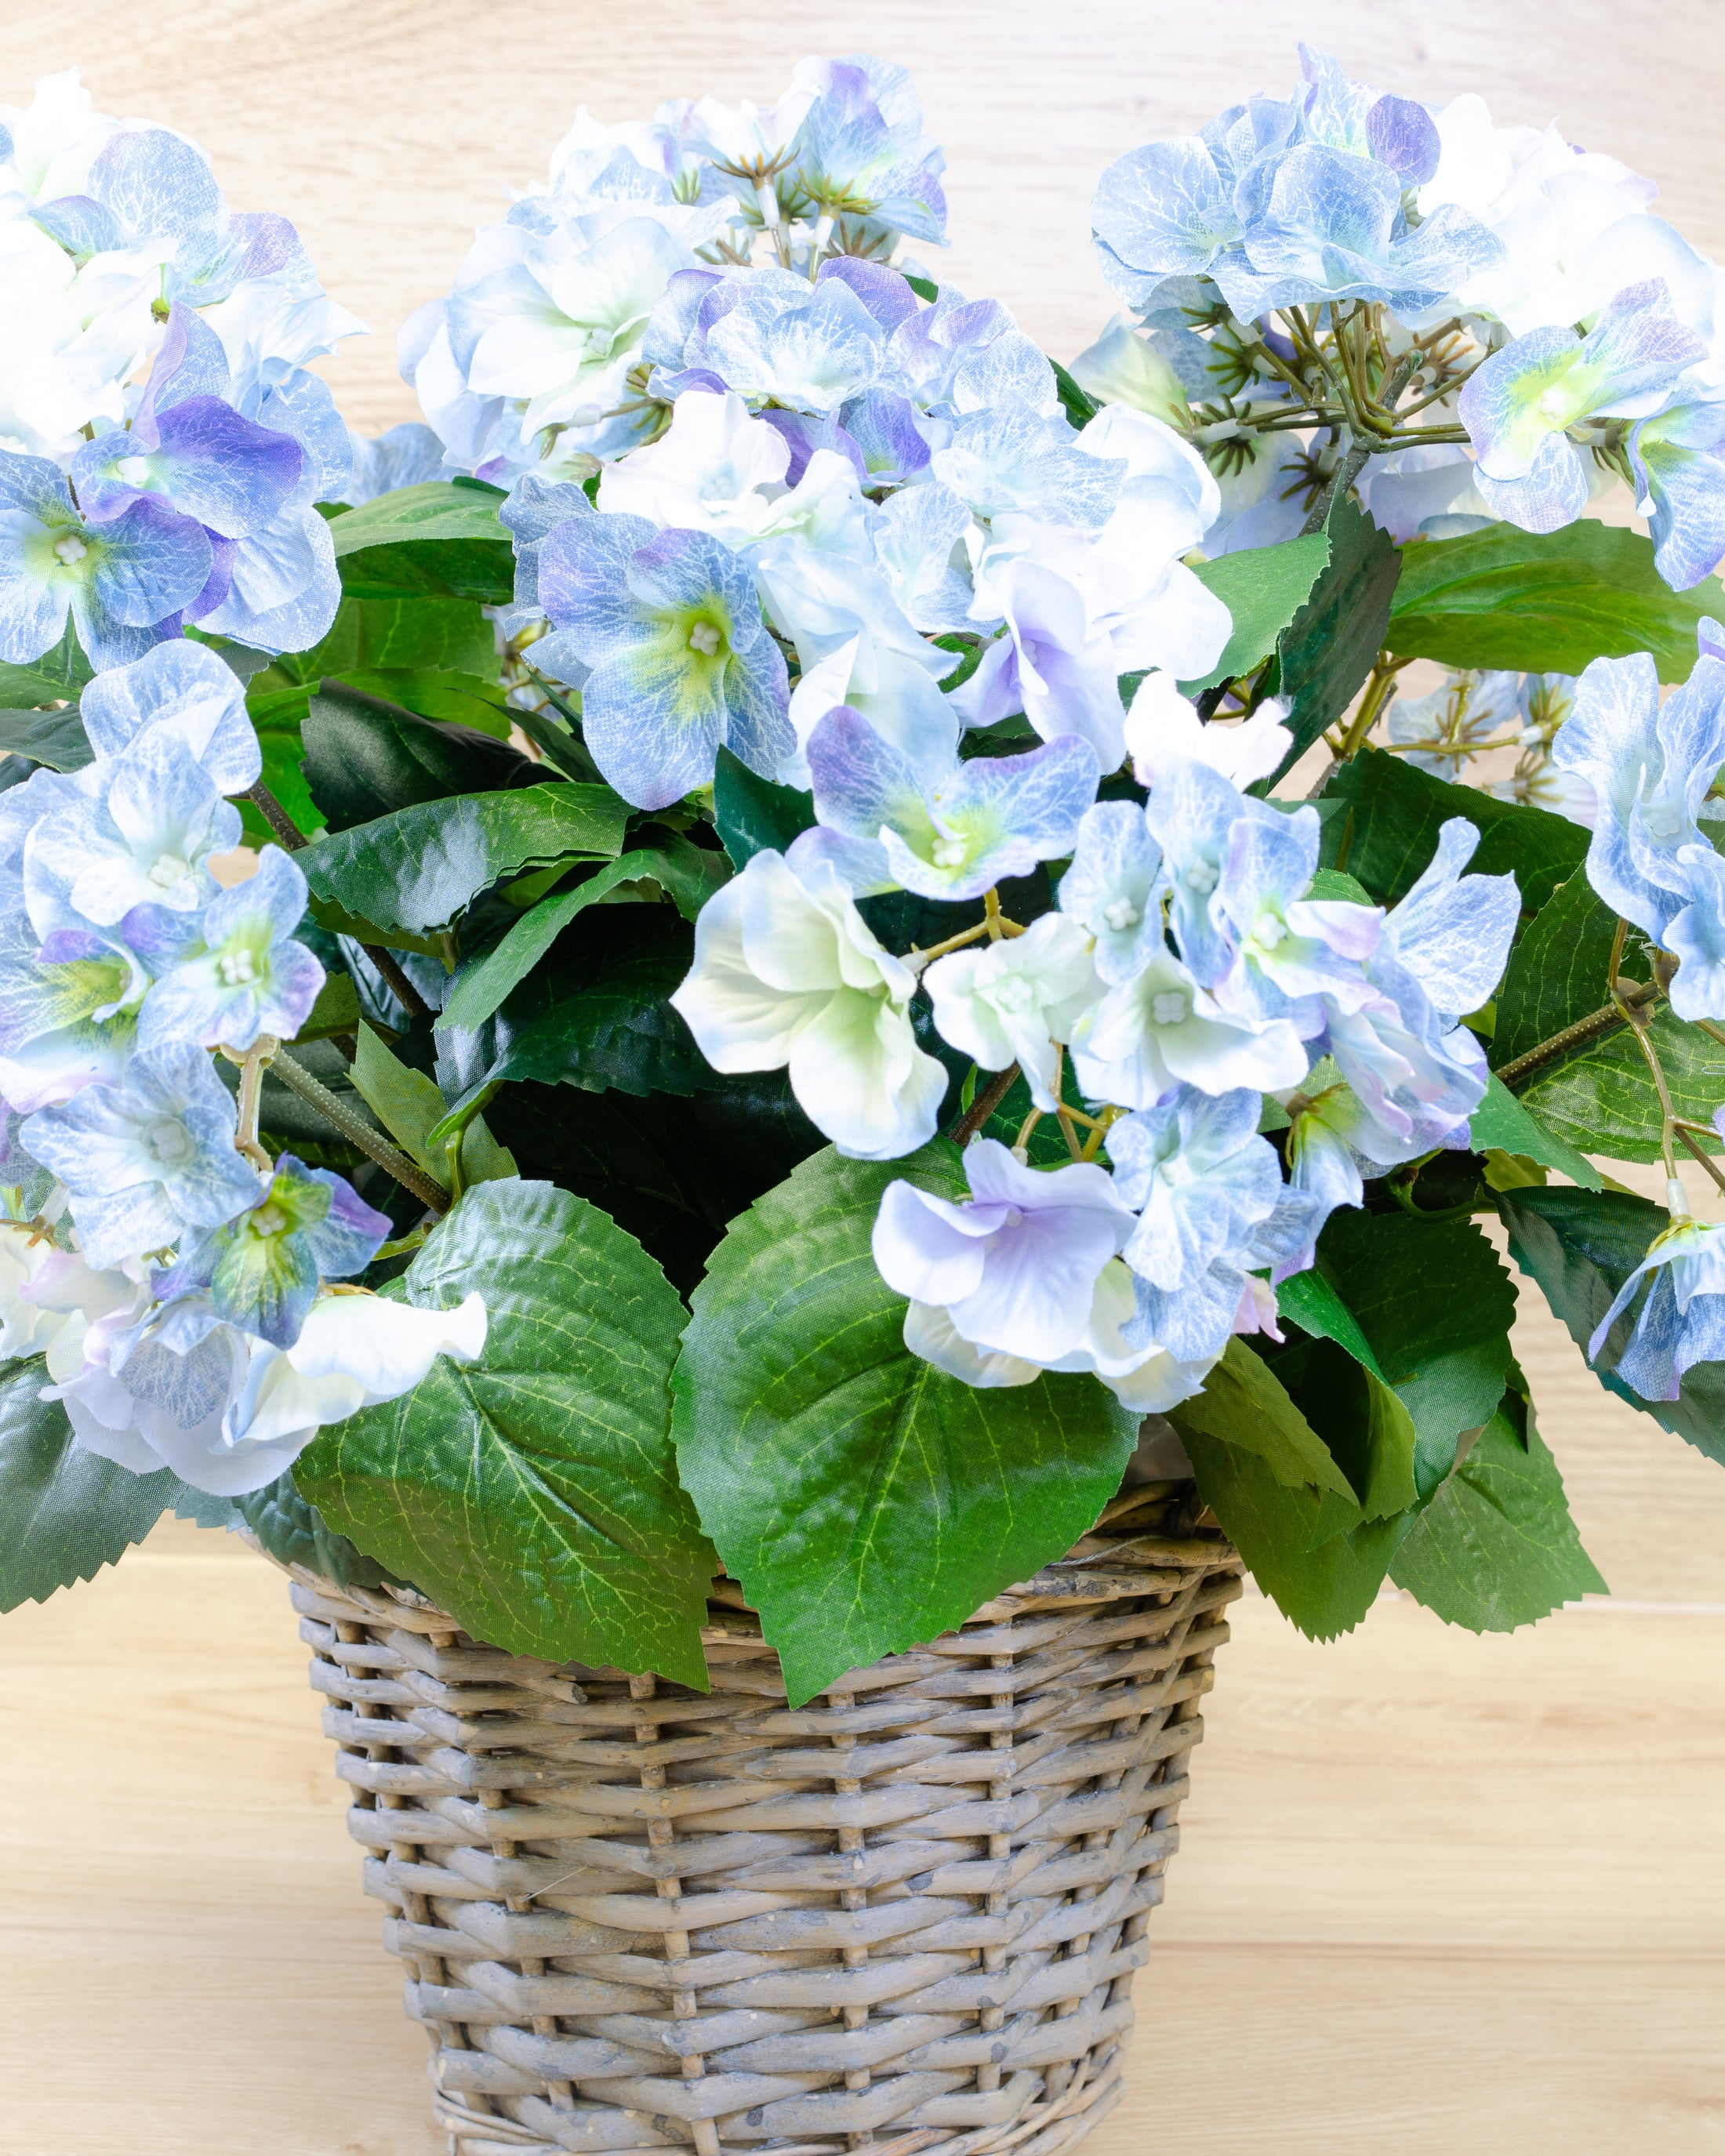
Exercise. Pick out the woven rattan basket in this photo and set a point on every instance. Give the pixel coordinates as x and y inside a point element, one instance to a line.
<point>904,1917</point>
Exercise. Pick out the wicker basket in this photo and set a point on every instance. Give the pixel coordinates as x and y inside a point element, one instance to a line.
<point>904,1917</point>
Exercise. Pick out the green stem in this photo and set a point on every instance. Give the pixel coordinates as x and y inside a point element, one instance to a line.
<point>341,1117</point>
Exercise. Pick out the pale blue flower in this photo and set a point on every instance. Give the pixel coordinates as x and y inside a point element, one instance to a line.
<point>248,977</point>
<point>1114,886</point>
<point>125,584</point>
<point>1332,228</point>
<point>1016,1267</point>
<point>961,355</point>
<point>184,690</point>
<point>810,347</point>
<point>1190,813</point>
<point>147,1158</point>
<point>1678,458</point>
<point>680,661</point>
<point>950,834</point>
<point>199,457</point>
<point>1199,1177</point>
<point>1289,949</point>
<point>861,152</point>
<point>143,834</point>
<point>1682,1321</point>
<point>1696,937</point>
<point>68,1011</point>
<point>1517,406</point>
<point>261,1268</point>
<point>406,454</point>
<point>1016,459</point>
<point>151,192</point>
<point>1650,765</point>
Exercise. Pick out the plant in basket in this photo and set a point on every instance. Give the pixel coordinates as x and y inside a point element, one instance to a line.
<point>756,1041</point>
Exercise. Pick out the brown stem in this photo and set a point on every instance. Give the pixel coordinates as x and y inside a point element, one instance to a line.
<point>406,994</point>
<point>983,1105</point>
<point>276,817</point>
<point>336,1112</point>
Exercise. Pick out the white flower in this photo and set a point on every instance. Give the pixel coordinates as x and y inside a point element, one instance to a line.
<point>55,139</point>
<point>1148,1380</point>
<point>228,1412</point>
<point>1162,728</point>
<point>787,971</point>
<point>1160,1030</point>
<point>1011,1001</point>
<point>715,468</point>
<point>1124,367</point>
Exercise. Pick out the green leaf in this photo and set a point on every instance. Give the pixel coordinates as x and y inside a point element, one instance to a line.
<point>1508,1124</point>
<point>1496,1547</point>
<point>1080,407</point>
<point>397,636</point>
<point>1385,829</point>
<point>533,1493</point>
<point>56,677</point>
<point>1316,1307</point>
<point>866,1500</point>
<point>1263,588</point>
<point>598,1015</point>
<point>55,738</point>
<point>482,985</point>
<point>1580,1246</point>
<point>295,1533</point>
<point>336,1009</point>
<point>433,538</point>
<point>67,1512</point>
<point>1545,603</point>
<point>1317,1558</point>
<point>420,867</point>
<point>1328,648</point>
<point>1443,1351</point>
<point>408,1105</point>
<point>279,716</point>
<point>339,921</point>
<point>1557,972</point>
<point>752,814</point>
<point>1603,1097</point>
<point>1245,1406</point>
<point>364,757</point>
<point>444,694</point>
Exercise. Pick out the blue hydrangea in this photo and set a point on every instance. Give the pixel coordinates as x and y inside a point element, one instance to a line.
<point>125,584</point>
<point>861,152</point>
<point>261,1268</point>
<point>1517,406</point>
<point>237,972</point>
<point>146,1158</point>
<point>1682,1321</point>
<point>952,832</point>
<point>663,632</point>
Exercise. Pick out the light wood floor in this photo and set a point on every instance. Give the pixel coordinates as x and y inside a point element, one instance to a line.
<point>1438,1894</point>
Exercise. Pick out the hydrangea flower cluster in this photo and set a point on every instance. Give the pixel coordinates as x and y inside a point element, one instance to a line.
<point>162,444</point>
<point>1492,317</point>
<point>176,1278</point>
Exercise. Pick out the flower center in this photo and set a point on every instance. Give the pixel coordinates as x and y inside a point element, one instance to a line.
<point>167,871</point>
<point>1169,1009</point>
<point>1267,932</point>
<point>705,638</point>
<point>69,549</point>
<point>1014,993</point>
<point>168,1141</point>
<point>1662,820</point>
<point>269,1219</point>
<point>134,470</point>
<point>599,341</point>
<point>1201,877</point>
<point>1121,914</point>
<point>948,854</point>
<point>237,968</point>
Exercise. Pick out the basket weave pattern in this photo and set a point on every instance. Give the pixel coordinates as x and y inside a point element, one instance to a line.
<point>904,1917</point>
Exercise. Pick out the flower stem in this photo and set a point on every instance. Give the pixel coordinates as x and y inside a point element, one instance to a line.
<point>984,1105</point>
<point>336,1112</point>
<point>253,1062</point>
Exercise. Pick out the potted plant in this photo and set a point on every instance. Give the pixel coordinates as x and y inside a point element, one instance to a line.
<point>765,1042</point>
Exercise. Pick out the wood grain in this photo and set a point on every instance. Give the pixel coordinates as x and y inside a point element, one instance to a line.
<point>1438,1894</point>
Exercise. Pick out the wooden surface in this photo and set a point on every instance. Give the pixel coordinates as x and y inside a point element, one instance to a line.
<point>1438,1894</point>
